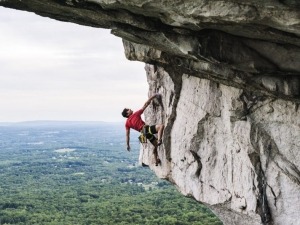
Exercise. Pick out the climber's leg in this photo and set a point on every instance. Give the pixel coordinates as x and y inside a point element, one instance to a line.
<point>159,129</point>
<point>157,160</point>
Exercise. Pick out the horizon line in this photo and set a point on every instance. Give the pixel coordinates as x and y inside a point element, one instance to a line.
<point>58,121</point>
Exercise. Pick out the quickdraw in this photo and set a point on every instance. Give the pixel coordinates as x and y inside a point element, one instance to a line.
<point>142,138</point>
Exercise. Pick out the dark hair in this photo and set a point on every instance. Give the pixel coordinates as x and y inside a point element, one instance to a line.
<point>124,113</point>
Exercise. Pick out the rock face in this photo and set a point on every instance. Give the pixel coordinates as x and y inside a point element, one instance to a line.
<point>229,75</point>
<point>235,151</point>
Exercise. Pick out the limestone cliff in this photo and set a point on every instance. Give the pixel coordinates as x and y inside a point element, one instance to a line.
<point>229,75</point>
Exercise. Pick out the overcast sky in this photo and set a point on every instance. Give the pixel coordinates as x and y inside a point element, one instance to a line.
<point>51,70</point>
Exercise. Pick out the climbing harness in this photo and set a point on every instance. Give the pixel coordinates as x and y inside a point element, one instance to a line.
<point>146,134</point>
<point>142,138</point>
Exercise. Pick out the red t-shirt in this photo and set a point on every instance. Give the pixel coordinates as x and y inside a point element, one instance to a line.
<point>135,121</point>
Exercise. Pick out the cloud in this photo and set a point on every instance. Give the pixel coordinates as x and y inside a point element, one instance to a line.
<point>63,71</point>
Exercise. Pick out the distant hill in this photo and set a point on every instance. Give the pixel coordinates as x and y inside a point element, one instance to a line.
<point>58,123</point>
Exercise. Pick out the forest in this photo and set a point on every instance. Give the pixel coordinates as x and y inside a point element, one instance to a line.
<point>81,174</point>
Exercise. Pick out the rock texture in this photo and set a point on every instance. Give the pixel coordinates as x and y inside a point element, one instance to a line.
<point>232,150</point>
<point>229,75</point>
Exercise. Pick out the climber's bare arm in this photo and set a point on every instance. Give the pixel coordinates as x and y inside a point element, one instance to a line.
<point>128,139</point>
<point>149,101</point>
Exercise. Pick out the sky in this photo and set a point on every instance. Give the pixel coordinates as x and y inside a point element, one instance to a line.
<point>51,70</point>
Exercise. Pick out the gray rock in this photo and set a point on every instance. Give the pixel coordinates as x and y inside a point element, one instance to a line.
<point>234,151</point>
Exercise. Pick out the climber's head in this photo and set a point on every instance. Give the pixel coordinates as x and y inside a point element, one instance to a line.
<point>126,112</point>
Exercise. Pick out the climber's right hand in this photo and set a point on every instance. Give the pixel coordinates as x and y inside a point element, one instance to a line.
<point>157,95</point>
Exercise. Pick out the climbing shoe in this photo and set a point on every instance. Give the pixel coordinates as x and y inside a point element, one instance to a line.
<point>159,142</point>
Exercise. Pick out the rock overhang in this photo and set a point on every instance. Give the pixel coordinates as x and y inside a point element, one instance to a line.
<point>253,45</point>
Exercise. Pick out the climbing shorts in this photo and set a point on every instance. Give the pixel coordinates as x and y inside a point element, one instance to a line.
<point>149,132</point>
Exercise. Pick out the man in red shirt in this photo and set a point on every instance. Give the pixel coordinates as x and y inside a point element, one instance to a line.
<point>135,122</point>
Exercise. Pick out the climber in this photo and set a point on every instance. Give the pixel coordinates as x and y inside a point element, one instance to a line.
<point>135,122</point>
